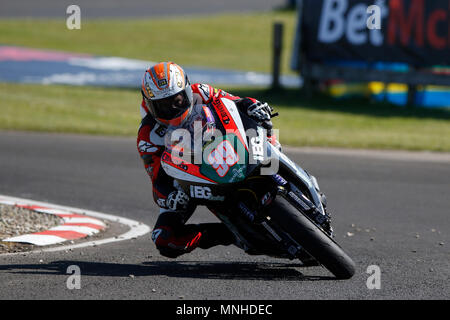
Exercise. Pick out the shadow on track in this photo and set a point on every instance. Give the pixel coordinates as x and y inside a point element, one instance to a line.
<point>176,269</point>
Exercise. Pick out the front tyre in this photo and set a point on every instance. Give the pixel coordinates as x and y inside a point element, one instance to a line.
<point>311,238</point>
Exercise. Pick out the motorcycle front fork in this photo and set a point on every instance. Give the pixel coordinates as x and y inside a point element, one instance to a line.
<point>288,245</point>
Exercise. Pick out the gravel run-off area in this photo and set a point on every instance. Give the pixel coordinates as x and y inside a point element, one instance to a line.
<point>15,221</point>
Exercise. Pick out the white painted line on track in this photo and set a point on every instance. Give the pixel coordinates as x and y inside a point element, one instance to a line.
<point>395,155</point>
<point>137,229</point>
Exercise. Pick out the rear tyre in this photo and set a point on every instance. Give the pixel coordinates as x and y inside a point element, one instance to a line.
<point>311,238</point>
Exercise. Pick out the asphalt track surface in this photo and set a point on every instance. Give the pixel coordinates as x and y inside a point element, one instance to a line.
<point>400,202</point>
<point>131,8</point>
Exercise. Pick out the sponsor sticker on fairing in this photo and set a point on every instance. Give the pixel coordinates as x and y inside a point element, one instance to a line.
<point>279,179</point>
<point>298,200</point>
<point>247,212</point>
<point>201,192</point>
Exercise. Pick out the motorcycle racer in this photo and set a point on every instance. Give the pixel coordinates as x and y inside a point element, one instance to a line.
<point>168,99</point>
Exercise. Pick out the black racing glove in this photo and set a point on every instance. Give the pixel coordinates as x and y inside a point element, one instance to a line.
<point>261,112</point>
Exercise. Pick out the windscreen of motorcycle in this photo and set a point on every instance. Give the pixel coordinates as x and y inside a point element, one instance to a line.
<point>206,149</point>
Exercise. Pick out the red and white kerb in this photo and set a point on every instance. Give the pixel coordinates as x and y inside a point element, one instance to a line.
<point>75,226</point>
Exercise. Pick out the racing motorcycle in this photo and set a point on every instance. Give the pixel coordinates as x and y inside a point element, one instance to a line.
<point>222,159</point>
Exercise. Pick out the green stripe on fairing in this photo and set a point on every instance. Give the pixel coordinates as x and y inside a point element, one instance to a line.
<point>237,172</point>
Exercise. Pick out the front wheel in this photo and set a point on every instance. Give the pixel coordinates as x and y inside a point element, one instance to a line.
<point>311,238</point>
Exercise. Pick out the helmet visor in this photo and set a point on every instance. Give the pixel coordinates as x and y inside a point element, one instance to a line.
<point>170,107</point>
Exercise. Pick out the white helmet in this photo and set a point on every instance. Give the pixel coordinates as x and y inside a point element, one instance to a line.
<point>167,93</point>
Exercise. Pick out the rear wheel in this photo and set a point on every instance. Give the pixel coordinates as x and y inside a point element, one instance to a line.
<point>311,238</point>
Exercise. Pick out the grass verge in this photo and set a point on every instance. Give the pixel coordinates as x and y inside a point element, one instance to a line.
<point>321,121</point>
<point>230,41</point>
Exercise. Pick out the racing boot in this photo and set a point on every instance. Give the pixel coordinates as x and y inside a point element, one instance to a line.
<point>214,234</point>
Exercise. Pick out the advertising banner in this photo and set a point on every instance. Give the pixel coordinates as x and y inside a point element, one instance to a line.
<point>415,32</point>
